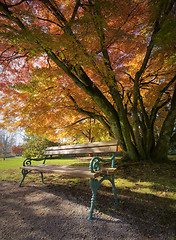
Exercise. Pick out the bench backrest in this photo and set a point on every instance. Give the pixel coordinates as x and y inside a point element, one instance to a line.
<point>87,148</point>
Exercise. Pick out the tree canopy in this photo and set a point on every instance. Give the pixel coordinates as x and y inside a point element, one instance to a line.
<point>63,62</point>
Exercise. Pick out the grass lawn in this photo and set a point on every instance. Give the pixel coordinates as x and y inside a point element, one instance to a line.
<point>10,168</point>
<point>145,191</point>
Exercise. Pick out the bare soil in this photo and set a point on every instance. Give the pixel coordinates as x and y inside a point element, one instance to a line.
<point>35,212</point>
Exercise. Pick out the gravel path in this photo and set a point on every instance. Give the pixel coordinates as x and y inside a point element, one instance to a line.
<point>33,212</point>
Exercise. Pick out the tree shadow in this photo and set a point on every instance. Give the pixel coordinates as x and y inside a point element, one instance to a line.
<point>140,208</point>
<point>40,212</point>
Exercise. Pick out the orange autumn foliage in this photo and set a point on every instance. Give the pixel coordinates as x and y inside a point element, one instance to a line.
<point>66,62</point>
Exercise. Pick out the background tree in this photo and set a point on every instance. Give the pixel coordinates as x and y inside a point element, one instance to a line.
<point>113,61</point>
<point>7,141</point>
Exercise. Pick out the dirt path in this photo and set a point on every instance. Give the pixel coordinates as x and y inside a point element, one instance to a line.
<point>35,212</point>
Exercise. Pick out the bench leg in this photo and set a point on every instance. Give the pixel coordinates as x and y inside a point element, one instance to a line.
<point>94,184</point>
<point>24,172</point>
<point>114,189</point>
<point>42,176</point>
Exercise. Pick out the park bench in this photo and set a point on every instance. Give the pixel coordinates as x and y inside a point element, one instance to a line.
<point>95,172</point>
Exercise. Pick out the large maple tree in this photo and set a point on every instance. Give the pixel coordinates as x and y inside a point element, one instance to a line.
<point>113,61</point>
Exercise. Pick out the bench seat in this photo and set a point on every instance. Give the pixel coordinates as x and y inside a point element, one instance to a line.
<point>76,171</point>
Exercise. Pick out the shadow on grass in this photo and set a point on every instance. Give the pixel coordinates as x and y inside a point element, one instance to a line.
<point>160,174</point>
<point>151,189</point>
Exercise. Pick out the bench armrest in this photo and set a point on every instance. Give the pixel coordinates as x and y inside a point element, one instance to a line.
<point>95,163</point>
<point>28,161</point>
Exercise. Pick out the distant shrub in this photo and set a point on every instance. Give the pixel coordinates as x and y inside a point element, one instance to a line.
<point>17,150</point>
<point>35,146</point>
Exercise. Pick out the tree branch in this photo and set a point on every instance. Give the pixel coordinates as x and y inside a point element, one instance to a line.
<point>157,26</point>
<point>75,11</point>
<point>70,125</point>
<point>10,15</point>
<point>14,5</point>
<point>155,107</point>
<point>47,20</point>
<point>56,12</point>
<point>99,117</point>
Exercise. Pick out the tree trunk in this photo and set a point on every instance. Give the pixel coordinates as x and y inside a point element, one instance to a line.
<point>161,150</point>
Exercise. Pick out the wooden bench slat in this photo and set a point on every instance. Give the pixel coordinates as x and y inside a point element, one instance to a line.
<point>58,151</point>
<point>66,170</point>
<point>96,147</point>
<point>85,145</point>
<point>77,171</point>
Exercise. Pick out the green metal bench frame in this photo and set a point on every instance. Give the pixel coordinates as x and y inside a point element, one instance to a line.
<point>94,183</point>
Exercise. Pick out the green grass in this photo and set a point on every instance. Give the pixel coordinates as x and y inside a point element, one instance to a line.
<point>10,168</point>
<point>146,191</point>
<point>150,187</point>
<point>10,163</point>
